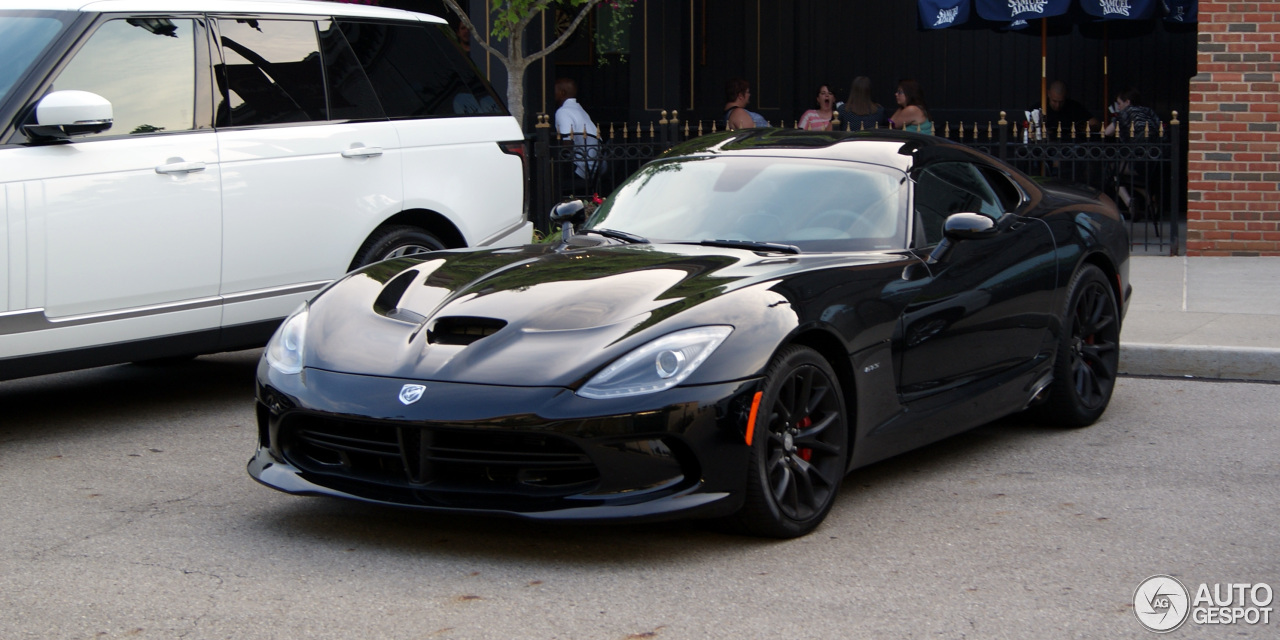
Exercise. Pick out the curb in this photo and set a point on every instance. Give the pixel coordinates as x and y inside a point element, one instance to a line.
<point>1253,364</point>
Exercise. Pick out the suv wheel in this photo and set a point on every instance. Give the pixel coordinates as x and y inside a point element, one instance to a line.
<point>395,242</point>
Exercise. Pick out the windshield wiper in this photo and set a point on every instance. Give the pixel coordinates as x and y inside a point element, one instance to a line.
<point>618,235</point>
<point>748,244</point>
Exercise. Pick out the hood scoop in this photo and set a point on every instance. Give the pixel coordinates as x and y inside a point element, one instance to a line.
<point>462,330</point>
<point>388,302</point>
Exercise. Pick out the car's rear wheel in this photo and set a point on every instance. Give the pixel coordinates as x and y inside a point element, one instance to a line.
<point>799,448</point>
<point>1084,373</point>
<point>394,242</point>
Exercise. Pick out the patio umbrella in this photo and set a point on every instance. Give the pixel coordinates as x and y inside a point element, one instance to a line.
<point>940,14</point>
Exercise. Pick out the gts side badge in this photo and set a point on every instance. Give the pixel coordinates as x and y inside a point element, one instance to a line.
<point>867,369</point>
<point>411,393</point>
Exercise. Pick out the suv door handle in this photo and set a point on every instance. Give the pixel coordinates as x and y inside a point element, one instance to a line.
<point>180,167</point>
<point>362,152</point>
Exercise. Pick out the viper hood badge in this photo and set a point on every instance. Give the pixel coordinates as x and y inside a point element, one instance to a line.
<point>411,393</point>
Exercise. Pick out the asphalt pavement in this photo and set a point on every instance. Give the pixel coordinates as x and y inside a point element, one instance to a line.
<point>1203,317</point>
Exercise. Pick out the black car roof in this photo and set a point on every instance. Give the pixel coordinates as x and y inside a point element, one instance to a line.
<point>898,149</point>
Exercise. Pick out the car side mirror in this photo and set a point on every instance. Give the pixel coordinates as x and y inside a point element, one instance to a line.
<point>568,215</point>
<point>64,114</point>
<point>962,226</point>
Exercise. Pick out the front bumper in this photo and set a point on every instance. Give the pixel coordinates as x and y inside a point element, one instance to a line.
<point>534,452</point>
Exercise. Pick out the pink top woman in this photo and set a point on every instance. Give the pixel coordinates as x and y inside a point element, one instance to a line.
<point>819,119</point>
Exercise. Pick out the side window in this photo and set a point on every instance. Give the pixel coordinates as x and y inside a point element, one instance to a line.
<point>145,67</point>
<point>951,187</point>
<point>270,73</point>
<point>418,72</point>
<point>351,97</point>
<point>1009,194</point>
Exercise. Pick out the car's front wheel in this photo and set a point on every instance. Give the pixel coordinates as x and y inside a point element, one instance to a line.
<point>394,242</point>
<point>1084,372</point>
<point>799,447</point>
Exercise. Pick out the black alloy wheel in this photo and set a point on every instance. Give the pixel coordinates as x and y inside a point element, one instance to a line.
<point>394,242</point>
<point>1088,353</point>
<point>799,449</point>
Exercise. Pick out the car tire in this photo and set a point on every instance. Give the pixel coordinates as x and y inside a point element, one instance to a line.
<point>395,242</point>
<point>799,448</point>
<point>1088,357</point>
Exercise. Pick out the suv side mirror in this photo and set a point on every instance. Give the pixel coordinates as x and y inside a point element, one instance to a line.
<point>962,226</point>
<point>63,114</point>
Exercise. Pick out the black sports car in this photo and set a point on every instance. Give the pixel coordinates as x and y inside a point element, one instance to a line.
<point>743,322</point>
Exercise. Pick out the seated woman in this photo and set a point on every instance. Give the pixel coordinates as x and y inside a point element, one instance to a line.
<point>860,112</point>
<point>911,114</point>
<point>819,119</point>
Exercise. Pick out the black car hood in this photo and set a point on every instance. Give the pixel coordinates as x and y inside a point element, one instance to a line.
<point>530,315</point>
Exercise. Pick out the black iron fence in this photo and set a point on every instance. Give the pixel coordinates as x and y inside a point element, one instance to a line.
<point>1142,170</point>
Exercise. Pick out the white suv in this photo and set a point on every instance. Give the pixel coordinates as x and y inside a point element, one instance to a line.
<point>176,181</point>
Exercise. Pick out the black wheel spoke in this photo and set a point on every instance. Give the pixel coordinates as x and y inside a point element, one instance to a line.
<point>804,485</point>
<point>804,395</point>
<point>810,433</point>
<point>815,399</point>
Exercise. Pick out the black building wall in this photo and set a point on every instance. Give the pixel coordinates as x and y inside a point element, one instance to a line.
<point>683,51</point>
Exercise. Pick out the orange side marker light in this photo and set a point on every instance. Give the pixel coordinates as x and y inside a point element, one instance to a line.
<point>751,419</point>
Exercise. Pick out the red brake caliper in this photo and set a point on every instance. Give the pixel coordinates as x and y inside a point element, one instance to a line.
<point>805,453</point>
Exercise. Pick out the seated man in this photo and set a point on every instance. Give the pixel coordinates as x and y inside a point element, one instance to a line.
<point>1065,112</point>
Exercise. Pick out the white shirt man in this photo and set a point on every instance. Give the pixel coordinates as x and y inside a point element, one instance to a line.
<point>575,126</point>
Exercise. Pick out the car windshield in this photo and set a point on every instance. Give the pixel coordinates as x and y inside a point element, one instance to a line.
<point>24,35</point>
<point>812,204</point>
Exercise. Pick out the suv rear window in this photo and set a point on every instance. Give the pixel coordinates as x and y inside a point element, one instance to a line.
<point>418,71</point>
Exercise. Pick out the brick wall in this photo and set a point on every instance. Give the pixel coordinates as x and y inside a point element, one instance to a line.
<point>1233,161</point>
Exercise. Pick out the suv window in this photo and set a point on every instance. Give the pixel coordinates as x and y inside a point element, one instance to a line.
<point>145,67</point>
<point>351,97</point>
<point>271,73</point>
<point>951,187</point>
<point>418,71</point>
<point>23,38</point>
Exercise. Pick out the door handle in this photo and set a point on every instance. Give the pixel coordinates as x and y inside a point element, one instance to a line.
<point>180,167</point>
<point>362,152</point>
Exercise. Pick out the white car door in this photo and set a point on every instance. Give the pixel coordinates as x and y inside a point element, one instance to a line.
<point>303,179</point>
<point>122,228</point>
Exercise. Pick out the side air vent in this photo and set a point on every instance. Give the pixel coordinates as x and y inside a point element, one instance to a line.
<point>461,330</point>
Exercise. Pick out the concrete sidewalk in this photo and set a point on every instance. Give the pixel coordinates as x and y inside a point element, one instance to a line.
<point>1204,318</point>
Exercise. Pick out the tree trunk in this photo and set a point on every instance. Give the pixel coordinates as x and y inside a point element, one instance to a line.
<point>516,65</point>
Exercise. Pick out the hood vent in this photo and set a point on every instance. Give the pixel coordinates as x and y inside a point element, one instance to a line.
<point>462,330</point>
<point>388,301</point>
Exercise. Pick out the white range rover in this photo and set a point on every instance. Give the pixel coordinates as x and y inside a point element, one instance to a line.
<point>176,177</point>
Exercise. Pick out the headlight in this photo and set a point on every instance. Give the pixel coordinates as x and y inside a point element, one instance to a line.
<point>284,352</point>
<point>657,366</point>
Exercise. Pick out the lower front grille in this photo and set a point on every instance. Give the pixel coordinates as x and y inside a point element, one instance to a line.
<point>438,462</point>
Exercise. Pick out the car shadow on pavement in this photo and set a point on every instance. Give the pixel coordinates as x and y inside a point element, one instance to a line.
<point>344,524</point>
<point>120,396</point>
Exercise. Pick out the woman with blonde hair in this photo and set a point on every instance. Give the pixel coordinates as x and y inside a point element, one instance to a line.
<point>861,112</point>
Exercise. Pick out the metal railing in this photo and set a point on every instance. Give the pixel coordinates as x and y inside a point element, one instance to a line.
<point>1142,170</point>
